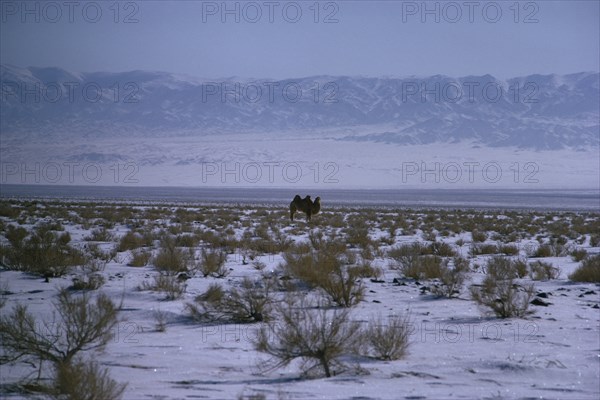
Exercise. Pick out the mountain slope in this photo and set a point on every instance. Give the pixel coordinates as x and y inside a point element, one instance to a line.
<point>531,112</point>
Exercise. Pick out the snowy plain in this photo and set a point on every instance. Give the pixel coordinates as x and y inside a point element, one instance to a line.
<point>301,160</point>
<point>456,351</point>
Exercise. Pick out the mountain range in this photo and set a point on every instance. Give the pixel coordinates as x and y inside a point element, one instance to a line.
<point>537,112</point>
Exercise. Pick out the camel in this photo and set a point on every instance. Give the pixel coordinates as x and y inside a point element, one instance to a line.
<point>305,205</point>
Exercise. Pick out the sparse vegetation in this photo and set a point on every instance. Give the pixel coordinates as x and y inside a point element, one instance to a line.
<point>588,271</point>
<point>212,263</point>
<point>499,291</point>
<point>543,251</point>
<point>485,248</point>
<point>83,325</point>
<point>166,283</point>
<point>140,258</point>
<point>101,235</point>
<point>130,241</point>
<point>251,302</point>
<point>579,254</point>
<point>85,380</point>
<point>160,317</point>
<point>91,281</point>
<point>44,252</point>
<point>387,339</point>
<point>318,337</point>
<point>347,256</point>
<point>415,261</point>
<point>328,268</point>
<point>478,236</point>
<point>543,271</point>
<point>508,249</point>
<point>451,279</point>
<point>170,259</point>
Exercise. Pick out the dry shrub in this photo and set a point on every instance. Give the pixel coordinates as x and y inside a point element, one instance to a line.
<point>499,291</point>
<point>251,302</point>
<point>479,236</point>
<point>44,253</point>
<point>364,269</point>
<point>140,258</point>
<point>166,283</point>
<point>91,281</point>
<point>186,240</point>
<point>4,292</point>
<point>579,254</point>
<point>484,248</point>
<point>82,325</point>
<point>212,263</point>
<point>85,380</point>
<point>160,317</point>
<point>442,249</point>
<point>171,259</point>
<point>100,235</point>
<point>16,235</point>
<point>94,251</point>
<point>319,338</point>
<point>588,271</point>
<point>406,252</point>
<point>328,268</point>
<point>509,249</point>
<point>357,235</point>
<point>387,340</point>
<point>544,250</point>
<point>451,279</point>
<point>422,267</point>
<point>506,268</point>
<point>130,241</point>
<point>342,284</point>
<point>543,271</point>
<point>406,258</point>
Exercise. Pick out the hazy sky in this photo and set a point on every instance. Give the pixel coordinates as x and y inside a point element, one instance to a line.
<point>274,39</point>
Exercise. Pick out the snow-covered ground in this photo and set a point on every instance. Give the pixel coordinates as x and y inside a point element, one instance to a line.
<point>331,159</point>
<point>456,351</point>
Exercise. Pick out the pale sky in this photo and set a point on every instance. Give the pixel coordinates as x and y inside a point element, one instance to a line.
<point>370,38</point>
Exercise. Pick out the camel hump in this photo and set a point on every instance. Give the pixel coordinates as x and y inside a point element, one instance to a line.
<point>297,197</point>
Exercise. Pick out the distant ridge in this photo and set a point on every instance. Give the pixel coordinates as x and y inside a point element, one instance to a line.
<point>532,112</point>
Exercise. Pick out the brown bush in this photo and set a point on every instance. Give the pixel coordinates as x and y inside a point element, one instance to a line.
<point>82,325</point>
<point>212,263</point>
<point>166,283</point>
<point>85,380</point>
<point>387,340</point>
<point>44,253</point>
<point>485,248</point>
<point>579,254</point>
<point>479,236</point>
<point>170,259</point>
<point>251,302</point>
<point>130,241</point>
<point>451,279</point>
<point>320,338</point>
<point>543,271</point>
<point>423,267</point>
<point>499,291</point>
<point>140,258</point>
<point>588,271</point>
<point>329,269</point>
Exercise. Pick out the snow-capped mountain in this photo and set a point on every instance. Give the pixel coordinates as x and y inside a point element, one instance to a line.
<point>530,112</point>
